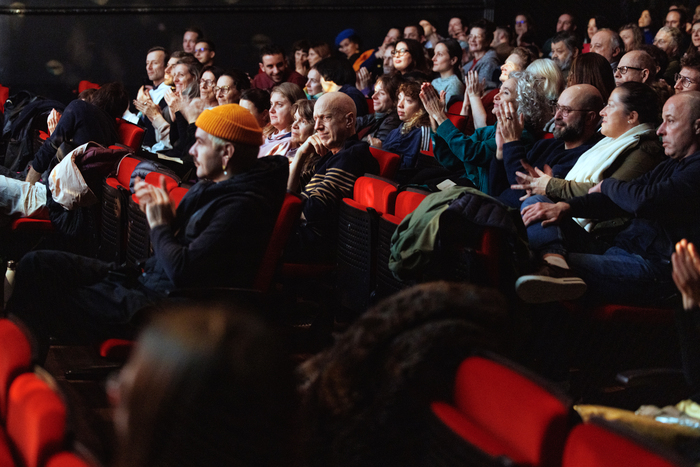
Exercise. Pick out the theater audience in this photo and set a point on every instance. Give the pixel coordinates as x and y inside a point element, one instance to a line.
<point>278,134</point>
<point>302,128</point>
<point>300,55</point>
<point>207,85</point>
<point>205,386</point>
<point>318,51</point>
<point>592,69</point>
<point>378,125</point>
<point>257,102</point>
<point>273,63</point>
<point>313,88</point>
<point>409,60</point>
<point>663,204</point>
<point>484,59</point>
<point>230,85</point>
<point>631,37</point>
<point>688,79</point>
<point>337,75</point>
<point>447,60</point>
<point>215,238</point>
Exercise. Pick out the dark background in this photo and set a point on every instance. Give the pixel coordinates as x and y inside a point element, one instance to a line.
<point>53,45</point>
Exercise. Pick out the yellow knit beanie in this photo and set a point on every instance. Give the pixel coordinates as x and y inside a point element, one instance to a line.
<point>231,122</point>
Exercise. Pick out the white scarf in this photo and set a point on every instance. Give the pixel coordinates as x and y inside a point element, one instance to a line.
<point>592,163</point>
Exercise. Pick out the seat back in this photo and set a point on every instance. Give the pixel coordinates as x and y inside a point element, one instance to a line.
<point>375,192</point>
<point>407,201</point>
<point>130,135</point>
<point>455,108</point>
<point>600,444</point>
<point>511,412</point>
<point>289,214</point>
<point>66,459</point>
<point>85,85</point>
<point>460,121</point>
<point>388,162</point>
<point>36,420</point>
<point>15,358</point>
<point>4,95</point>
<point>370,105</point>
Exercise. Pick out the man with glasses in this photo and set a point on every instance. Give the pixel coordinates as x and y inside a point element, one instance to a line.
<point>688,79</point>
<point>575,131</point>
<point>204,51</point>
<point>637,66</point>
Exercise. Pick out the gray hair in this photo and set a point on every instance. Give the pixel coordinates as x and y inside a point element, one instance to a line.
<point>553,78</point>
<point>675,34</point>
<point>532,98</point>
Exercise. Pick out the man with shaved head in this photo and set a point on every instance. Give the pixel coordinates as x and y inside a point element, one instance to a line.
<point>636,65</point>
<point>664,205</point>
<point>607,43</point>
<point>343,158</point>
<point>575,132</point>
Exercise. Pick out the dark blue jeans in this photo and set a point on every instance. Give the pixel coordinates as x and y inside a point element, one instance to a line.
<point>613,275</point>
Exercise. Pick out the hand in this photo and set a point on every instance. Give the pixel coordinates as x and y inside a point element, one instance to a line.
<point>596,189</point>
<point>512,124</point>
<point>432,103</point>
<point>149,108</point>
<point>474,87</point>
<point>174,100</point>
<point>155,202</point>
<point>191,109</point>
<point>428,29</point>
<point>52,120</point>
<point>312,145</point>
<point>142,95</point>
<point>686,273</point>
<point>534,185</point>
<point>362,81</point>
<point>32,176</point>
<point>548,213</point>
<point>499,144</point>
<point>376,142</point>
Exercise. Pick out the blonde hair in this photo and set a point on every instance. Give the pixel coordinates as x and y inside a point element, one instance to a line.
<point>553,78</point>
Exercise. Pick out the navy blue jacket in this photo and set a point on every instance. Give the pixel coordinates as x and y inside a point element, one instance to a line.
<point>664,204</point>
<point>357,97</point>
<point>549,152</point>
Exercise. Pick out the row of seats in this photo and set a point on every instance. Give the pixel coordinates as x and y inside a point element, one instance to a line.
<point>32,414</point>
<point>504,415</point>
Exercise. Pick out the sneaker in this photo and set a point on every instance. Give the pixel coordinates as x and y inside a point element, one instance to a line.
<point>549,284</point>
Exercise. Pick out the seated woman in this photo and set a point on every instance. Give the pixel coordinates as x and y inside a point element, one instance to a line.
<point>466,159</point>
<point>485,61</point>
<point>257,102</point>
<point>595,70</point>
<point>196,390</point>
<point>630,149</point>
<point>554,84</point>
<point>207,85</point>
<point>230,85</point>
<point>412,136</point>
<point>409,60</point>
<point>447,61</point>
<point>376,127</point>
<point>480,104</point>
<point>302,128</point>
<point>278,134</point>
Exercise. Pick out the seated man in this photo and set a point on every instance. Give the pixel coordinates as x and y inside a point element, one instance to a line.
<point>664,205</point>
<point>344,158</point>
<point>575,132</point>
<point>215,238</point>
<point>273,64</point>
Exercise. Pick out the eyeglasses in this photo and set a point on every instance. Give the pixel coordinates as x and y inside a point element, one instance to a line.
<point>521,22</point>
<point>399,52</point>
<point>207,83</point>
<point>623,69</point>
<point>565,111</point>
<point>222,88</point>
<point>201,49</point>
<point>685,81</point>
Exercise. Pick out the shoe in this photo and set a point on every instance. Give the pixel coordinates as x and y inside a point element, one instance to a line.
<point>549,284</point>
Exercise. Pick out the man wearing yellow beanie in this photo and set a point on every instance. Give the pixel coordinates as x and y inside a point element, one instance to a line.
<point>215,238</point>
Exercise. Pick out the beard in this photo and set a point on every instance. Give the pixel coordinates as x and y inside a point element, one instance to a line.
<point>565,64</point>
<point>569,132</point>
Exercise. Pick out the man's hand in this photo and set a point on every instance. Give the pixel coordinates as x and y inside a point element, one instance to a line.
<point>432,103</point>
<point>686,273</point>
<point>548,213</point>
<point>52,120</point>
<point>32,176</point>
<point>536,185</point>
<point>155,202</point>
<point>376,142</point>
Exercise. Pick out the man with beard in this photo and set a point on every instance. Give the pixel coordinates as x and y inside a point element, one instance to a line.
<point>636,65</point>
<point>564,50</point>
<point>576,131</point>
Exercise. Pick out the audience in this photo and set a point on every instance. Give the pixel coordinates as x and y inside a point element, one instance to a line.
<point>278,134</point>
<point>409,60</point>
<point>208,85</point>
<point>447,61</point>
<point>484,59</point>
<point>257,102</point>
<point>230,86</point>
<point>275,71</point>
<point>376,127</point>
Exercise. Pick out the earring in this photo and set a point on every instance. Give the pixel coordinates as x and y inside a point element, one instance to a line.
<point>629,121</point>
<point>223,167</point>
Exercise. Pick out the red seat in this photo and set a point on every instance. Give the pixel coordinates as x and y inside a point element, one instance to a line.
<point>374,192</point>
<point>66,459</point>
<point>130,135</point>
<point>31,224</point>
<point>455,108</point>
<point>84,85</point>
<point>604,445</point>
<point>388,162</point>
<point>429,152</point>
<point>407,201</point>
<point>370,105</point>
<point>459,121</point>
<point>4,95</point>
<point>503,410</point>
<point>289,214</point>
<point>15,358</point>
<point>36,420</point>
<point>176,195</point>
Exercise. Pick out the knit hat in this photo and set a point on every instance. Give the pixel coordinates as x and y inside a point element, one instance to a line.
<point>344,35</point>
<point>232,123</point>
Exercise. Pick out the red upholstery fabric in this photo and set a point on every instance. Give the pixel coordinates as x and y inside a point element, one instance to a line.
<point>624,313</point>
<point>130,135</point>
<point>388,162</point>
<point>4,94</point>
<point>66,459</point>
<point>5,451</point>
<point>375,193</point>
<point>36,420</point>
<point>512,408</point>
<point>30,223</point>
<point>176,195</point>
<point>455,108</point>
<point>490,251</point>
<point>429,152</point>
<point>125,169</point>
<point>83,85</point>
<point>15,358</point>
<point>591,445</point>
<point>288,216</point>
<point>459,121</point>
<point>116,349</point>
<point>154,179</point>
<point>370,104</point>
<point>548,136</point>
<point>407,202</point>
<point>392,218</point>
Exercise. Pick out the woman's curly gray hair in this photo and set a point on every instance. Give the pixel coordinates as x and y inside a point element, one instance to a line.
<point>532,98</point>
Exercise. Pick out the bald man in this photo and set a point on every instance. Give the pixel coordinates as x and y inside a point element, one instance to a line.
<point>344,158</point>
<point>636,65</point>
<point>607,43</point>
<point>664,205</point>
<point>575,132</point>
